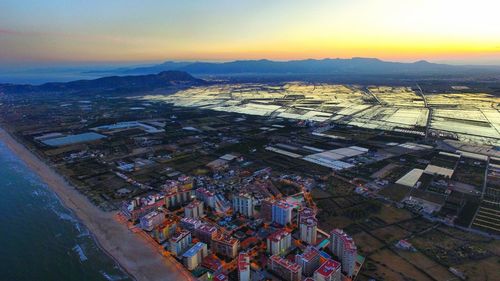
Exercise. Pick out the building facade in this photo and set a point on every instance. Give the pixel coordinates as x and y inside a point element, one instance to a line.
<point>284,268</point>
<point>266,210</point>
<point>225,245</point>
<point>279,242</point>
<point>243,204</point>
<point>139,207</point>
<point>309,261</point>
<point>207,196</point>
<point>180,242</point>
<point>194,256</point>
<point>178,194</point>
<point>165,230</point>
<point>244,267</point>
<point>194,210</point>
<point>190,223</point>
<point>282,212</point>
<point>206,233</point>
<point>151,220</point>
<point>308,230</point>
<point>344,248</point>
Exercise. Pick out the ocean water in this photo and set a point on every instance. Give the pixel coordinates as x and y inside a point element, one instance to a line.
<point>39,238</point>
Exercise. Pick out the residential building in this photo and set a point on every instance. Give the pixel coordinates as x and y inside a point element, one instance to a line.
<point>284,268</point>
<point>328,271</point>
<point>309,260</point>
<point>194,256</point>
<point>165,230</point>
<point>344,248</point>
<point>180,242</point>
<point>190,223</point>
<point>225,245</point>
<point>279,242</point>
<point>266,209</point>
<point>207,196</point>
<point>151,220</point>
<point>244,267</point>
<point>206,233</point>
<point>212,263</point>
<point>305,212</point>
<point>308,230</point>
<point>140,206</point>
<point>194,210</point>
<point>282,212</point>
<point>178,194</point>
<point>243,204</point>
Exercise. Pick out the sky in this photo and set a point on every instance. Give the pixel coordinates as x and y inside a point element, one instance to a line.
<point>34,32</point>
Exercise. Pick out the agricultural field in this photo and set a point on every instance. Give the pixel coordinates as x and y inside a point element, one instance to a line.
<point>469,122</point>
<point>450,250</point>
<point>390,266</point>
<point>486,269</point>
<point>392,215</point>
<point>399,96</point>
<point>470,117</point>
<point>390,234</point>
<point>437,248</point>
<point>487,216</point>
<point>421,261</point>
<point>395,192</point>
<point>366,243</point>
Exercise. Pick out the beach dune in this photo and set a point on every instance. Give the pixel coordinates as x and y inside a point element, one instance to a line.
<point>133,253</point>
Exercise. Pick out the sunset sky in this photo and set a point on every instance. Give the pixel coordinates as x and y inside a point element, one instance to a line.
<point>56,31</point>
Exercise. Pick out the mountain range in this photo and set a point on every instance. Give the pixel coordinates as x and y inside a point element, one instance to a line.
<point>162,80</point>
<point>355,70</point>
<point>354,66</point>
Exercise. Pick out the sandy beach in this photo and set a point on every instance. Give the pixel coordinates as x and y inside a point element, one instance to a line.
<point>133,253</point>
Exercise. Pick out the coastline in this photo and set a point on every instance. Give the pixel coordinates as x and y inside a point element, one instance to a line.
<point>135,256</point>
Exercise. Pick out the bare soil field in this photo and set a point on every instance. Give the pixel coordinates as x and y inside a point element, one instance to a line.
<point>391,267</point>
<point>391,214</point>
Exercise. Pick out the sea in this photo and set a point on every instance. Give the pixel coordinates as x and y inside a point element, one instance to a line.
<point>40,239</point>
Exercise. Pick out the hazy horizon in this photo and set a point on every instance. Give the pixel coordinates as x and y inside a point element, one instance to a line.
<point>97,65</point>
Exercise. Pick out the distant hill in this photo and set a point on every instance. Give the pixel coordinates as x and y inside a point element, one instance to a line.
<point>169,65</point>
<point>354,66</point>
<point>128,83</point>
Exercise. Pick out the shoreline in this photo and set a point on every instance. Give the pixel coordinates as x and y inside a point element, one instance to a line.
<point>133,255</point>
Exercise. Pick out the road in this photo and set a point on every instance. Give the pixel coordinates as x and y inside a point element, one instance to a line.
<point>429,115</point>
<point>374,96</point>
